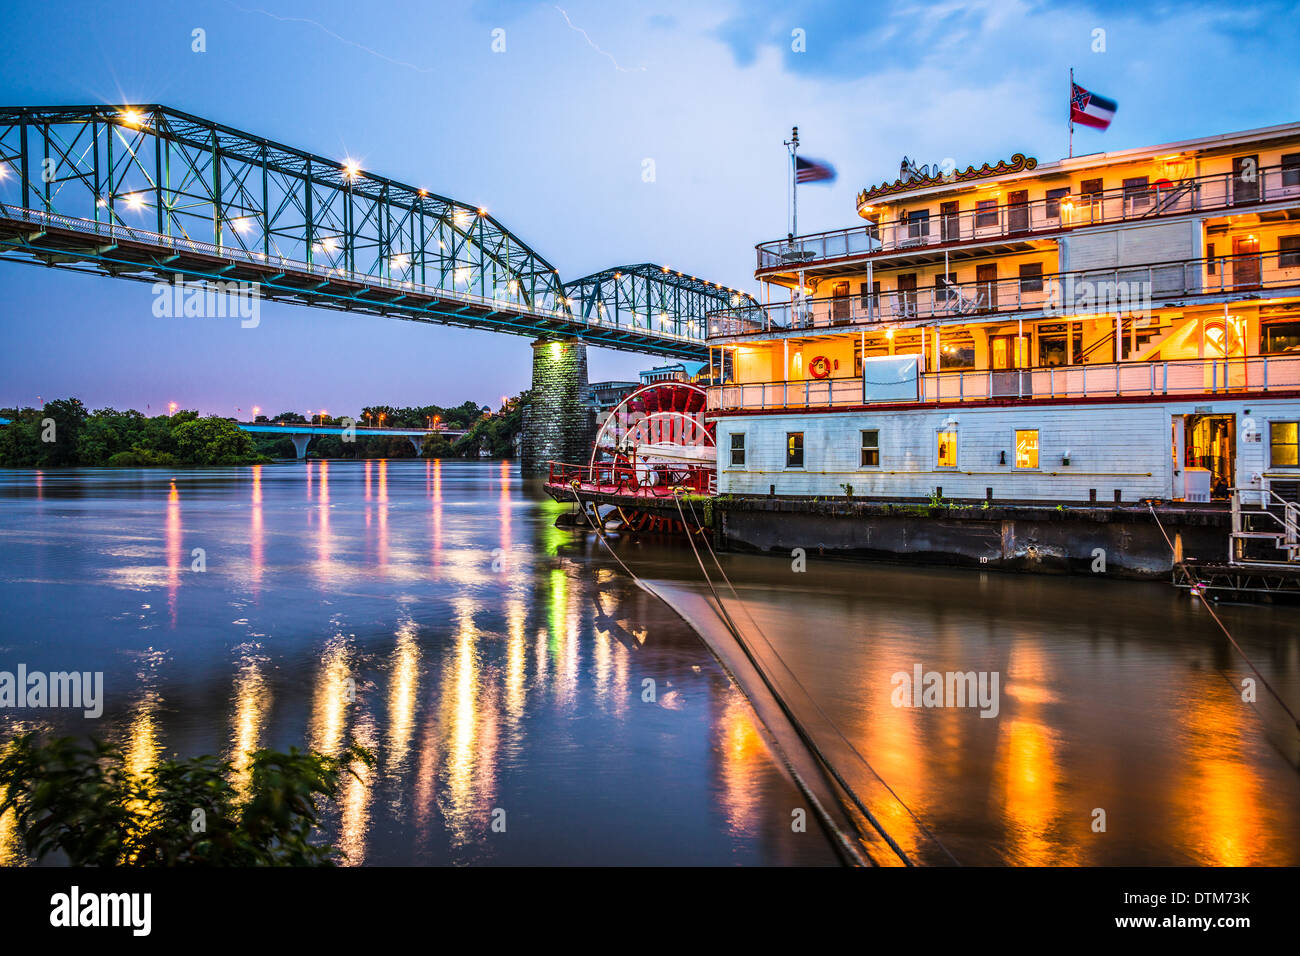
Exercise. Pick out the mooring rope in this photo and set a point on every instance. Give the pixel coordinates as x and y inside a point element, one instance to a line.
<point>826,717</point>
<point>846,851</point>
<point>1196,589</point>
<point>798,726</point>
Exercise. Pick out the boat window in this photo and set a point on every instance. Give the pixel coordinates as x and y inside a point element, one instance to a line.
<point>947,448</point>
<point>1027,448</point>
<point>1284,450</point>
<point>794,449</point>
<point>870,448</point>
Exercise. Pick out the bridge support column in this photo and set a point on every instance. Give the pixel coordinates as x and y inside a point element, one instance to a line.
<point>300,444</point>
<point>558,424</point>
<point>418,442</point>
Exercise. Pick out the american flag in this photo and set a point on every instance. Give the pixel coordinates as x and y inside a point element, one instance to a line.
<point>812,171</point>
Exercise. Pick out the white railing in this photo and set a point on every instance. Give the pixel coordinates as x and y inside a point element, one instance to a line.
<point>1220,191</point>
<point>1186,377</point>
<point>502,301</point>
<point>1099,292</point>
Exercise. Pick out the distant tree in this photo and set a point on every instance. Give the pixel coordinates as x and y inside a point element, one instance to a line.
<point>213,441</point>
<point>69,417</point>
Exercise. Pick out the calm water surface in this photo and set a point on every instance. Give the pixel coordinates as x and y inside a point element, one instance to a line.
<point>497,662</point>
<point>1115,696</point>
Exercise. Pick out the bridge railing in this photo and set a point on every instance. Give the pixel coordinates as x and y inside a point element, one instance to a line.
<point>504,302</point>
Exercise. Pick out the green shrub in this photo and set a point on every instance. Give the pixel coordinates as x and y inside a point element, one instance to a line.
<point>82,801</point>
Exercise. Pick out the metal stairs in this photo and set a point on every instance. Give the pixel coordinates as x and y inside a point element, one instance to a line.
<point>1261,515</point>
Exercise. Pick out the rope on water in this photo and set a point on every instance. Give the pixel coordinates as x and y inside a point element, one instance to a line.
<point>826,717</point>
<point>798,726</point>
<point>1196,589</point>
<point>847,852</point>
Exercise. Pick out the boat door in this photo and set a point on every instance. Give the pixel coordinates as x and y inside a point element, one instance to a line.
<point>1211,442</point>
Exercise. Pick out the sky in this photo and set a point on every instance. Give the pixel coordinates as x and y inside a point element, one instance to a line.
<point>552,134</point>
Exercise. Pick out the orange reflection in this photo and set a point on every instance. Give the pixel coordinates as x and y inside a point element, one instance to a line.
<point>173,545</point>
<point>743,754</point>
<point>382,542</point>
<point>435,502</point>
<point>403,693</point>
<point>1223,817</point>
<point>469,714</point>
<point>252,704</point>
<point>354,822</point>
<point>503,513</point>
<point>1028,773</point>
<point>323,554</point>
<point>256,535</point>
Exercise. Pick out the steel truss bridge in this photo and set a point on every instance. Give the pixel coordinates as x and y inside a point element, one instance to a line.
<point>157,195</point>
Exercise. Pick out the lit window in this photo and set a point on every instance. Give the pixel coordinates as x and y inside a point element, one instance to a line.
<point>870,448</point>
<point>1027,448</point>
<point>738,449</point>
<point>947,456</point>
<point>1284,450</point>
<point>794,449</point>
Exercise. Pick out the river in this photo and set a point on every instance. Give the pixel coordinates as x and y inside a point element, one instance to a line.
<point>504,670</point>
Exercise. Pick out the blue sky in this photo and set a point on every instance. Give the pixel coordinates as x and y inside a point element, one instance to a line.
<point>551,136</point>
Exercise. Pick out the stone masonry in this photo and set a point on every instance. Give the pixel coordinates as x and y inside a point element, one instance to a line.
<point>558,424</point>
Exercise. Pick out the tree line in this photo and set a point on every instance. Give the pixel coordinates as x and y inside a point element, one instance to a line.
<point>63,433</point>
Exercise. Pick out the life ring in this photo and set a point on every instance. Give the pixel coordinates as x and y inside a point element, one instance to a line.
<point>819,366</point>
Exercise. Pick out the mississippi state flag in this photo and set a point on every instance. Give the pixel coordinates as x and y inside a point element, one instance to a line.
<point>812,171</point>
<point>1089,109</point>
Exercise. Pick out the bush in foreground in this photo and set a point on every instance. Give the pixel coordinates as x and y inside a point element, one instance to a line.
<point>83,802</point>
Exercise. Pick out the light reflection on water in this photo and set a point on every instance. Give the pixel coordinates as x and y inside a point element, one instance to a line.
<point>1115,696</point>
<point>427,611</point>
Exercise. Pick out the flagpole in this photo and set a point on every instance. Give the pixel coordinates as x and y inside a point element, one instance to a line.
<point>1071,112</point>
<point>793,145</point>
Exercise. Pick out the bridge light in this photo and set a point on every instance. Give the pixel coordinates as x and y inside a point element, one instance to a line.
<point>134,200</point>
<point>482,211</point>
<point>350,169</point>
<point>132,117</point>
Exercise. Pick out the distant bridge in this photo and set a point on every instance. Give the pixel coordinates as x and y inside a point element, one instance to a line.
<point>154,194</point>
<point>301,433</point>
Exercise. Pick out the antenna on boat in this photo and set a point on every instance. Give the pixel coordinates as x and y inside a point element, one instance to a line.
<point>792,144</point>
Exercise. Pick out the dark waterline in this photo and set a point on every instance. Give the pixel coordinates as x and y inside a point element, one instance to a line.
<point>498,663</point>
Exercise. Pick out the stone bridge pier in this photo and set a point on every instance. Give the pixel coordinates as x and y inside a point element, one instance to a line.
<point>558,424</point>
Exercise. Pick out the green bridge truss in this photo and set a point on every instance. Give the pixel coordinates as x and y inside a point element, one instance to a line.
<point>154,194</point>
<point>652,297</point>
